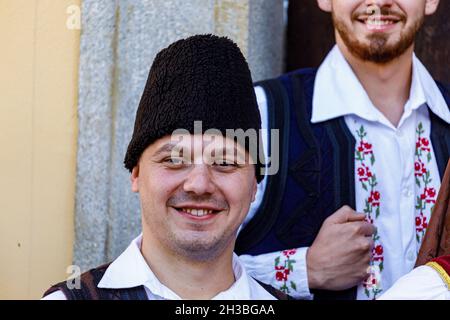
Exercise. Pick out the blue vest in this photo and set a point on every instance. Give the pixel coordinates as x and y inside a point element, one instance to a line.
<point>316,175</point>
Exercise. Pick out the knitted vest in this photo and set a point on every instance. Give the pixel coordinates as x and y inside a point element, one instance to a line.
<point>89,289</point>
<point>316,171</point>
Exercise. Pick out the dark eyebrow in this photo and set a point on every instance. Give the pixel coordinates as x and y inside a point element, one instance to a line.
<point>167,148</point>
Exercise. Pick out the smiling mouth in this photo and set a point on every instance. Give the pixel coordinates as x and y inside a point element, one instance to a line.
<point>378,22</point>
<point>197,212</point>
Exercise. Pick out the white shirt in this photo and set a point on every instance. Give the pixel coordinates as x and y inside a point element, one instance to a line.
<point>337,93</point>
<point>423,283</point>
<point>131,270</point>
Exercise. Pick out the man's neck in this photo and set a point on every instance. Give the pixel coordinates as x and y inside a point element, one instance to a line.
<point>387,85</point>
<point>189,279</point>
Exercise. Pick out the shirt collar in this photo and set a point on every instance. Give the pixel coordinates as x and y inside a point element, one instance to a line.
<point>338,92</point>
<point>131,270</point>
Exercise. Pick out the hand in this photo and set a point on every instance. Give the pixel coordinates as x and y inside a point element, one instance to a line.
<point>340,255</point>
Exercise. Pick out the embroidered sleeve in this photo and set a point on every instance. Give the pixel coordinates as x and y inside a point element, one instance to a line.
<point>284,270</point>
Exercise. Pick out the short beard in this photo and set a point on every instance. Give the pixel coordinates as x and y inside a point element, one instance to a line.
<point>197,249</point>
<point>378,51</point>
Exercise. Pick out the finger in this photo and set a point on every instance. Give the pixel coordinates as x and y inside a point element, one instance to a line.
<point>356,216</point>
<point>372,245</point>
<point>345,214</point>
<point>363,247</point>
<point>367,229</point>
<point>360,229</point>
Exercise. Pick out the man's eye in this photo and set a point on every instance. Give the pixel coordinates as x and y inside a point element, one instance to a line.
<point>174,161</point>
<point>225,163</point>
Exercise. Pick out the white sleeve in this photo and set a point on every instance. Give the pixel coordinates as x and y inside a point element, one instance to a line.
<point>57,295</point>
<point>262,105</point>
<point>422,283</point>
<point>283,270</point>
<point>263,267</point>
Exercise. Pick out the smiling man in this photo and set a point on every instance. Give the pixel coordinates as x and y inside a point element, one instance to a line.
<point>365,141</point>
<point>195,187</point>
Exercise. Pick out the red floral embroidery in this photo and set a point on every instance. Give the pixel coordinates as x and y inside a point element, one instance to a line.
<point>377,253</point>
<point>364,173</point>
<point>284,268</point>
<point>373,284</point>
<point>421,223</point>
<point>422,144</point>
<point>368,180</point>
<point>427,195</point>
<point>288,253</point>
<point>374,198</point>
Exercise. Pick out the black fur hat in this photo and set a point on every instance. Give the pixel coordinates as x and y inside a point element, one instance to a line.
<point>202,78</point>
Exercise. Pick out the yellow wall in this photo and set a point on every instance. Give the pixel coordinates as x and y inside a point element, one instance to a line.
<point>38,127</point>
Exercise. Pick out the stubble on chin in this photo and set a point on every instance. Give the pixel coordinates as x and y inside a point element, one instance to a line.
<point>199,249</point>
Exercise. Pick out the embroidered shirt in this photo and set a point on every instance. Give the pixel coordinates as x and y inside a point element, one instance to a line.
<point>131,270</point>
<point>401,158</point>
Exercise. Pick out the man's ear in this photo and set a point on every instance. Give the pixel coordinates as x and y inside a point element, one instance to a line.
<point>431,6</point>
<point>134,178</point>
<point>325,5</point>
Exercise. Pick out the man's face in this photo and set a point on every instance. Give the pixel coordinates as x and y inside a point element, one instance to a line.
<point>378,30</point>
<point>190,205</point>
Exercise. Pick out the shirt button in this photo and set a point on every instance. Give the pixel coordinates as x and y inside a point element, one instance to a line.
<point>407,192</point>
<point>411,255</point>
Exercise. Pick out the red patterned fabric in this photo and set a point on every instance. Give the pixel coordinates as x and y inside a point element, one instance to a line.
<point>444,262</point>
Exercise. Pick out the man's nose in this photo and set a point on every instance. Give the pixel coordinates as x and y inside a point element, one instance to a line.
<point>380,3</point>
<point>199,180</point>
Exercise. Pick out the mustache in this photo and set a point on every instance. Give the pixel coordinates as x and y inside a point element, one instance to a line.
<point>183,197</point>
<point>375,10</point>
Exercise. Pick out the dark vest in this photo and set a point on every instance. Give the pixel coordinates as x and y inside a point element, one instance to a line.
<point>89,291</point>
<point>316,174</point>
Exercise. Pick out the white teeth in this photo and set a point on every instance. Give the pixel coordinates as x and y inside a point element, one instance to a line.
<point>374,22</point>
<point>198,212</point>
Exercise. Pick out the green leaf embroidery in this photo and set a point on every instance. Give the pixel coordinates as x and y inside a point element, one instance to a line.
<point>427,177</point>
<point>420,128</point>
<point>293,286</point>
<point>291,265</point>
<point>429,156</point>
